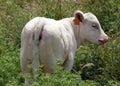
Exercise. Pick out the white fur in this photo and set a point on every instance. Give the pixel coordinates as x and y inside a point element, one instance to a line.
<point>60,39</point>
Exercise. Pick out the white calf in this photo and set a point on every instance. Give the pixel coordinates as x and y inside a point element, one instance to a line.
<point>43,40</point>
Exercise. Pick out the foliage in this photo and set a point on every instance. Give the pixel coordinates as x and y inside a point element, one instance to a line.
<point>94,65</point>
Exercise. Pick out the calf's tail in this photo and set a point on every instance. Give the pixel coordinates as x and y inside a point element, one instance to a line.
<point>37,37</point>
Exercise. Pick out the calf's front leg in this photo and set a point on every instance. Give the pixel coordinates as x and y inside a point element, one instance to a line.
<point>68,63</point>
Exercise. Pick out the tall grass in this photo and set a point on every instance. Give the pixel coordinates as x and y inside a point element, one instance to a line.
<point>94,65</point>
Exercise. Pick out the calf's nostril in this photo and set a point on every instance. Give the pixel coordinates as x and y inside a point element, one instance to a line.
<point>105,39</point>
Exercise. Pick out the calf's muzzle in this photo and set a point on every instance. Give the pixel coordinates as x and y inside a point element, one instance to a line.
<point>103,40</point>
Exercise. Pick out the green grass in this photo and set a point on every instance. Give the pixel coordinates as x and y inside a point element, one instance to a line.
<point>105,59</point>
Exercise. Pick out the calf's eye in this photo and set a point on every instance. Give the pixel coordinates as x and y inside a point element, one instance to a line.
<point>95,26</point>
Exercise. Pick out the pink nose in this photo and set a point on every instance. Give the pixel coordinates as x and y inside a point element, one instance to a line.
<point>103,40</point>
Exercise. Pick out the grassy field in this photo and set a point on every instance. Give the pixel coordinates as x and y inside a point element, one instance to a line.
<point>94,65</point>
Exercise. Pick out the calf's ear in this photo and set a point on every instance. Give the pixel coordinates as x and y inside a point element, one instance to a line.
<point>79,17</point>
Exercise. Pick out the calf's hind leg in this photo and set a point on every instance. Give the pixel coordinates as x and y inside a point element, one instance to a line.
<point>27,70</point>
<point>47,58</point>
<point>26,61</point>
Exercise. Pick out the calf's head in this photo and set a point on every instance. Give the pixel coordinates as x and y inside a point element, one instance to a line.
<point>90,28</point>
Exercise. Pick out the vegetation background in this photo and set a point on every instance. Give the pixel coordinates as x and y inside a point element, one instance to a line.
<point>94,65</point>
